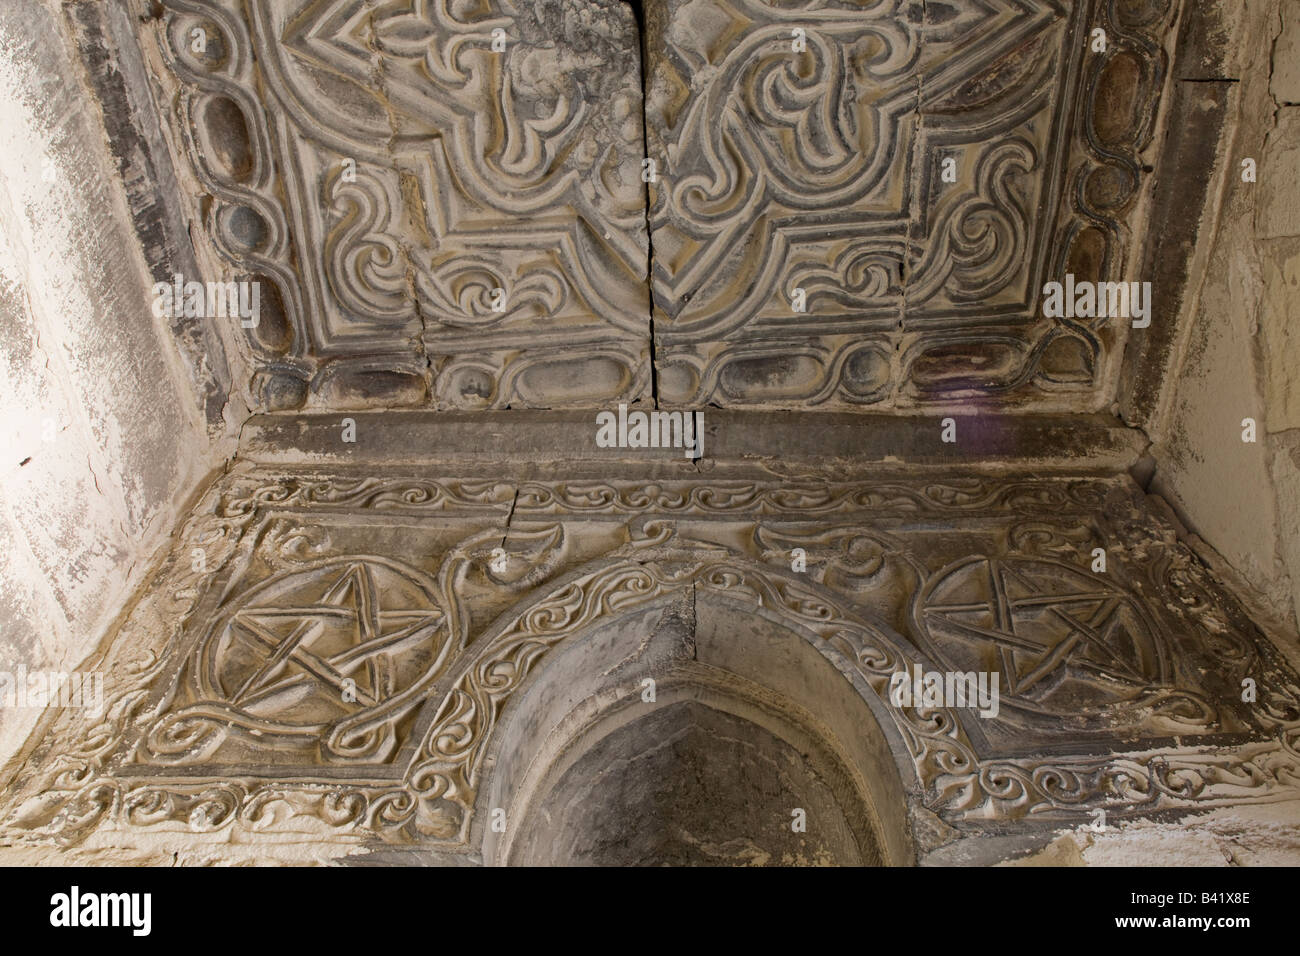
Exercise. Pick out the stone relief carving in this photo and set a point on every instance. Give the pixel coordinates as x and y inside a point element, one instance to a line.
<point>1064,644</point>
<point>908,168</point>
<point>446,206</point>
<point>438,599</point>
<point>327,658</point>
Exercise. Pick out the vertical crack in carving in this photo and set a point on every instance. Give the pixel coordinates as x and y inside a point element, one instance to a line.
<point>638,13</point>
<point>424,326</point>
<point>723,307</point>
<point>510,517</point>
<point>413,215</point>
<point>695,623</point>
<point>913,193</point>
<point>913,197</point>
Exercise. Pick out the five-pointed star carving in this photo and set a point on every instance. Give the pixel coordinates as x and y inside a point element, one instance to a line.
<point>347,634</point>
<point>1092,621</point>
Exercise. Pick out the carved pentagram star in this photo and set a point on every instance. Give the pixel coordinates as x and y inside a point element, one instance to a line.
<point>345,636</point>
<point>1090,631</point>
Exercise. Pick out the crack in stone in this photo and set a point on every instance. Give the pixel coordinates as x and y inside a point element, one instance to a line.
<point>638,13</point>
<point>413,215</point>
<point>510,517</point>
<point>896,360</point>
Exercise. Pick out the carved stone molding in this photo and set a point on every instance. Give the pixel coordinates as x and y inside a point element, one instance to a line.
<point>437,598</point>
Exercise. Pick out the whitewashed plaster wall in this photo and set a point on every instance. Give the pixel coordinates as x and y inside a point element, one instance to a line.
<point>1241,349</point>
<point>101,437</point>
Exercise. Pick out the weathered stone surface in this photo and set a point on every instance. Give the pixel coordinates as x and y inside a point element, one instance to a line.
<point>1279,332</point>
<point>1285,80</point>
<point>543,443</point>
<point>1285,471</point>
<point>918,171</point>
<point>1278,210</point>
<point>441,222</point>
<point>413,622</point>
<point>478,619</point>
<point>1230,356</point>
<point>107,40</point>
<point>707,789</point>
<point>1237,836</point>
<point>1203,453</point>
<point>1176,264</point>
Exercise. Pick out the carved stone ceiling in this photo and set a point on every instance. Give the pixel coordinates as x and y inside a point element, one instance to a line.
<point>446,202</point>
<point>467,204</point>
